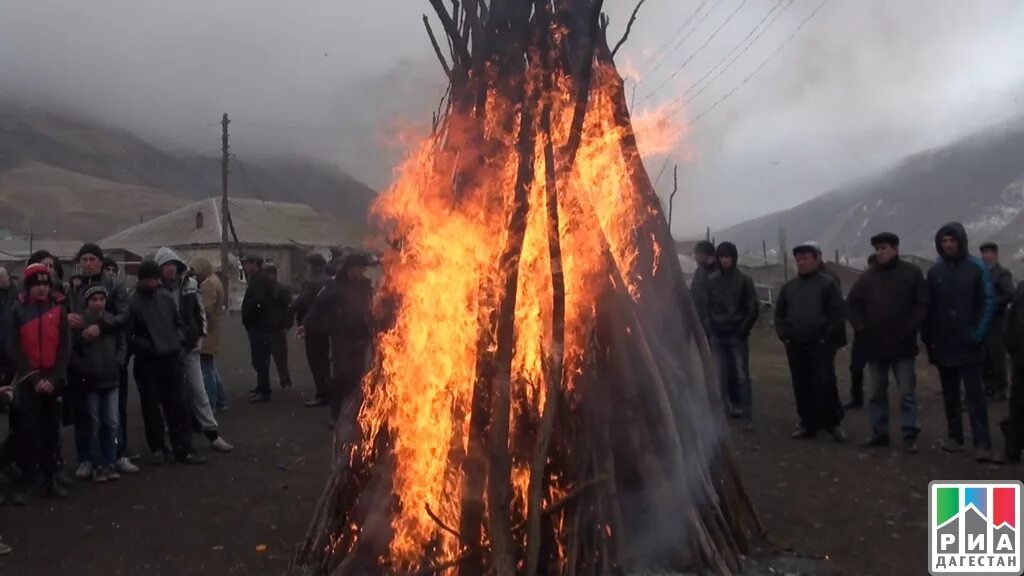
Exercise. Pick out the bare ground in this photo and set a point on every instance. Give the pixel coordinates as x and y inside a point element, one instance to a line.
<point>828,509</point>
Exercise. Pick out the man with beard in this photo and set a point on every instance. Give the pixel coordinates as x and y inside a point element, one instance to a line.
<point>960,308</point>
<point>808,316</point>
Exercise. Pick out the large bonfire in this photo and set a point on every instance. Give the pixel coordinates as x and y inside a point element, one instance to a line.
<point>540,399</point>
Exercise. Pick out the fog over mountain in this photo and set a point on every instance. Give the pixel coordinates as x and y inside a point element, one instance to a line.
<point>861,85</point>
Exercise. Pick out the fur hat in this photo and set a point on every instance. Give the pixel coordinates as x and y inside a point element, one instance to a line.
<point>885,238</point>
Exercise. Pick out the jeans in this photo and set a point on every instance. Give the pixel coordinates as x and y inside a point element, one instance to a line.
<point>259,349</point>
<point>105,427</point>
<point>79,398</point>
<point>211,379</point>
<point>995,374</point>
<point>811,367</point>
<point>906,380</point>
<point>122,412</point>
<point>195,392</point>
<point>977,409</point>
<point>857,363</point>
<point>732,356</point>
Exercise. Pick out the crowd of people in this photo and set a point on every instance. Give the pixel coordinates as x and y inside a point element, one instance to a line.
<point>965,310</point>
<point>67,345</point>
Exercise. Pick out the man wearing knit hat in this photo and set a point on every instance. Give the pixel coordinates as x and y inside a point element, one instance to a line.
<point>40,349</point>
<point>90,260</point>
<point>154,336</point>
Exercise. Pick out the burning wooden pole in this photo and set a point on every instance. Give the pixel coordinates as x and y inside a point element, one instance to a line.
<point>542,402</point>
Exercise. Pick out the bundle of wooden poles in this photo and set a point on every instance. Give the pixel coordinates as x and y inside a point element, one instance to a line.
<point>648,477</point>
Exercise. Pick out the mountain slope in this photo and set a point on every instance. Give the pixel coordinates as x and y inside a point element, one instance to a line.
<point>114,177</point>
<point>978,180</point>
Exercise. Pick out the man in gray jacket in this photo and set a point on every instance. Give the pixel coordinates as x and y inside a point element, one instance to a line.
<point>995,377</point>
<point>185,291</point>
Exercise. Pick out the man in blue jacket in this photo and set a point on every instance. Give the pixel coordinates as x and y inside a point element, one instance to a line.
<point>960,308</point>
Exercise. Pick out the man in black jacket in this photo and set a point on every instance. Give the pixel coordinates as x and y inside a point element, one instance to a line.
<point>732,310</point>
<point>1013,427</point>
<point>90,260</point>
<point>960,307</point>
<point>808,315</point>
<point>155,335</point>
<point>257,317</point>
<point>857,361</point>
<point>315,334</point>
<point>280,323</point>
<point>995,377</point>
<point>707,263</point>
<point>346,305</point>
<point>887,307</point>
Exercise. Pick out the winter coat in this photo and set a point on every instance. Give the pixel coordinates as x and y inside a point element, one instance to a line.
<point>8,298</point>
<point>732,303</point>
<point>344,309</point>
<point>116,318</point>
<point>154,328</point>
<point>1003,289</point>
<point>185,291</point>
<point>258,302</point>
<point>304,301</point>
<point>214,301</point>
<point>886,307</point>
<point>809,309</point>
<point>280,308</point>
<point>94,365</point>
<point>960,305</point>
<point>839,340</point>
<point>1015,329</point>
<point>39,338</point>
<point>699,293</point>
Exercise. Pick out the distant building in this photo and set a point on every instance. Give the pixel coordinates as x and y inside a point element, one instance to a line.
<point>769,279</point>
<point>14,253</point>
<point>281,233</point>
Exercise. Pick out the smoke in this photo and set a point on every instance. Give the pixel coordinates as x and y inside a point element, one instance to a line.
<point>861,85</point>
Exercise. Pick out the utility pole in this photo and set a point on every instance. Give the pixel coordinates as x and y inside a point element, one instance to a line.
<point>783,253</point>
<point>225,265</point>
<point>764,250</point>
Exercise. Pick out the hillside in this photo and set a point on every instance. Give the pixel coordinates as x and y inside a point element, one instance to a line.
<point>978,180</point>
<point>70,177</point>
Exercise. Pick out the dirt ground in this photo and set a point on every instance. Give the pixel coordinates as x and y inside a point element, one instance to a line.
<point>858,511</point>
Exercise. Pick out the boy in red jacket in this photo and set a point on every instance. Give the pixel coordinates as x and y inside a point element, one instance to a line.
<point>40,347</point>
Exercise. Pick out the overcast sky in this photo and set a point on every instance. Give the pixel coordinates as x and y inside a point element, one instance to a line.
<point>862,84</point>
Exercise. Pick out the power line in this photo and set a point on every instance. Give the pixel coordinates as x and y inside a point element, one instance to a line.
<point>696,52</point>
<point>735,53</point>
<point>661,51</point>
<point>760,66</point>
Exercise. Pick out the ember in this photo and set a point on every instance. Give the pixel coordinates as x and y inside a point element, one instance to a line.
<point>540,399</point>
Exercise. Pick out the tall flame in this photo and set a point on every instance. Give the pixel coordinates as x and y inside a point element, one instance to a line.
<point>450,231</point>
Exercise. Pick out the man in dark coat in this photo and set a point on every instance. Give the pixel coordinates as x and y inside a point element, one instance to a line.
<point>707,263</point>
<point>257,317</point>
<point>887,307</point>
<point>346,304</point>
<point>808,316</point>
<point>281,322</point>
<point>994,375</point>
<point>960,307</point>
<point>91,261</point>
<point>155,334</point>
<point>1013,427</point>
<point>732,310</point>
<point>316,335</point>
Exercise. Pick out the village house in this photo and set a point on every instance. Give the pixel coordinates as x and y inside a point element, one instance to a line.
<point>281,233</point>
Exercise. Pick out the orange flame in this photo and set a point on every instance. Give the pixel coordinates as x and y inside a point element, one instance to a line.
<point>448,207</point>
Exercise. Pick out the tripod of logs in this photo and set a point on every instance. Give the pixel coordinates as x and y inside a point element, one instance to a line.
<point>628,460</point>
